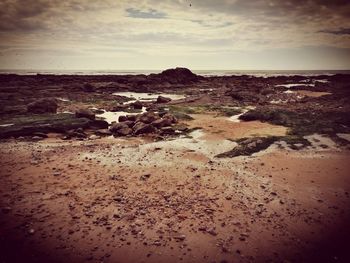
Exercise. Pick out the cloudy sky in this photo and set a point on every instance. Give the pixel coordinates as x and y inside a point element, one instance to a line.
<point>158,34</point>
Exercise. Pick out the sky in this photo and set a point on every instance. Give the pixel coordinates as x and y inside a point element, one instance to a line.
<point>160,34</point>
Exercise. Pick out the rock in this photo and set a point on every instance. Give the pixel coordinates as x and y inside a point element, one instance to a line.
<point>98,124</point>
<point>170,117</point>
<point>131,117</point>
<point>145,177</point>
<point>148,117</point>
<point>162,99</point>
<point>6,209</point>
<point>85,113</point>
<point>122,118</point>
<point>167,131</point>
<point>59,123</point>
<point>175,76</point>
<point>56,174</point>
<point>129,123</point>
<point>94,137</point>
<point>141,128</point>
<point>180,237</point>
<point>162,122</point>
<point>120,107</point>
<point>40,134</point>
<point>124,131</point>
<point>31,231</point>
<point>37,138</point>
<point>137,105</point>
<point>87,87</point>
<point>103,132</point>
<point>43,106</point>
<point>117,126</point>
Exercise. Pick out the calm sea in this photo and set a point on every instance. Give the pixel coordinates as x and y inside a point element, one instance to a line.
<point>257,73</point>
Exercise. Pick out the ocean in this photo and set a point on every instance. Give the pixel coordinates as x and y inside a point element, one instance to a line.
<point>256,73</point>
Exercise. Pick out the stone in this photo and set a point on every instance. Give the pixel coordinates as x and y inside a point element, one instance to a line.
<point>87,87</point>
<point>85,113</point>
<point>162,99</point>
<point>124,131</point>
<point>122,118</point>
<point>162,122</point>
<point>117,126</point>
<point>103,132</point>
<point>43,106</point>
<point>137,105</point>
<point>167,131</point>
<point>98,124</point>
<point>142,128</point>
<point>148,117</point>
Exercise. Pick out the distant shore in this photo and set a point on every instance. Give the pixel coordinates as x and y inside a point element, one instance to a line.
<point>255,73</point>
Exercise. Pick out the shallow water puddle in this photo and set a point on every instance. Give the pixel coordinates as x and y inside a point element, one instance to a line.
<point>291,85</point>
<point>235,118</point>
<point>7,125</point>
<point>110,116</point>
<point>197,143</point>
<point>63,99</point>
<point>142,96</point>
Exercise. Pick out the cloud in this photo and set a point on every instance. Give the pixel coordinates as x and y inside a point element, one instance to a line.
<point>148,14</point>
<point>126,29</point>
<point>341,31</point>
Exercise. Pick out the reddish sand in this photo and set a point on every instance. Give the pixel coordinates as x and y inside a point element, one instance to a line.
<point>115,200</point>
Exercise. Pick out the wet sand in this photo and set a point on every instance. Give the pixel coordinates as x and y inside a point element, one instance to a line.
<point>116,200</point>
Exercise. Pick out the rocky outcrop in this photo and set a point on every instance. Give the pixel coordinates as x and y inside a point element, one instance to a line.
<point>29,125</point>
<point>43,106</point>
<point>146,123</point>
<point>175,76</point>
<point>85,113</point>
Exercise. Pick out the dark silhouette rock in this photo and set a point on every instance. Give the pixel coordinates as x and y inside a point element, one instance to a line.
<point>176,76</point>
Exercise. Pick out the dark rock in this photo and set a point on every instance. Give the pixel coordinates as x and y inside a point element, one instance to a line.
<point>103,132</point>
<point>148,117</point>
<point>122,118</point>
<point>141,128</point>
<point>167,131</point>
<point>162,99</point>
<point>117,126</point>
<point>85,113</point>
<point>129,123</point>
<point>40,134</point>
<point>120,107</point>
<point>162,123</point>
<point>170,117</point>
<point>46,123</point>
<point>43,106</point>
<point>98,124</point>
<point>87,87</point>
<point>124,131</point>
<point>131,117</point>
<point>175,76</point>
<point>137,105</point>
